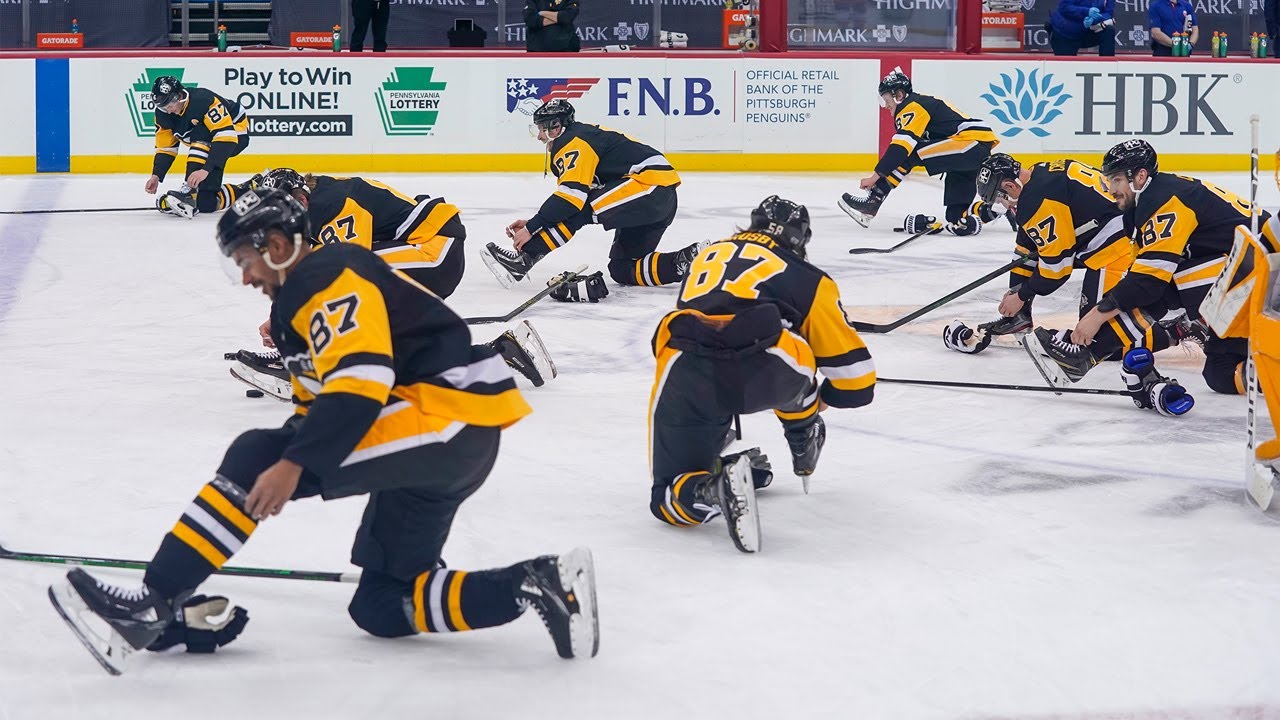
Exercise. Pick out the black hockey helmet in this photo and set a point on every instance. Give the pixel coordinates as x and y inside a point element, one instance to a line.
<point>286,179</point>
<point>1130,156</point>
<point>895,80</point>
<point>784,221</point>
<point>553,114</point>
<point>165,90</point>
<point>257,211</point>
<point>996,169</point>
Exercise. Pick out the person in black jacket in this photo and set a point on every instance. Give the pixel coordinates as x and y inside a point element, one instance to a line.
<point>364,11</point>
<point>1271,11</point>
<point>549,25</point>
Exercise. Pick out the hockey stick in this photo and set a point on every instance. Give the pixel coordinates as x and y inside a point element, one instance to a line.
<point>932,229</point>
<point>887,327</point>
<point>281,574</point>
<point>993,386</point>
<point>552,284</point>
<point>1259,487</point>
<point>74,210</point>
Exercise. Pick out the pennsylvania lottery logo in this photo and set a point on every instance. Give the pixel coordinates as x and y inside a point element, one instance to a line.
<point>141,110</point>
<point>409,101</point>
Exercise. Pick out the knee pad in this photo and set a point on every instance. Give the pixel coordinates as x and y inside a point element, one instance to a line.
<point>381,605</point>
<point>1224,374</point>
<point>249,455</point>
<point>622,271</point>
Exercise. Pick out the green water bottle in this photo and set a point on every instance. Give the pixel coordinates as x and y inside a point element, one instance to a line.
<point>1214,44</point>
<point>1263,45</point>
<point>337,38</point>
<point>1222,46</point>
<point>222,38</point>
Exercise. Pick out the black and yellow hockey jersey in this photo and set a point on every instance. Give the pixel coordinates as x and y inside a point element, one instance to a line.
<point>372,215</point>
<point>1183,227</point>
<point>589,156</point>
<point>745,271</point>
<point>379,363</point>
<point>1065,214</point>
<point>923,118</point>
<point>209,124</point>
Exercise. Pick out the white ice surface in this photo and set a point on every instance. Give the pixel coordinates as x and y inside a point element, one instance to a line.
<point>963,554</point>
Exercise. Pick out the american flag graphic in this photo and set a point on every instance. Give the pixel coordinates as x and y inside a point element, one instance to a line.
<point>526,94</point>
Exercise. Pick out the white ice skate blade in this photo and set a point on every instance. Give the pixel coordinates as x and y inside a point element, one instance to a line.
<point>578,575</point>
<point>111,652</point>
<point>281,390</point>
<point>745,529</point>
<point>504,276</point>
<point>1050,370</point>
<point>531,342</point>
<point>858,217</point>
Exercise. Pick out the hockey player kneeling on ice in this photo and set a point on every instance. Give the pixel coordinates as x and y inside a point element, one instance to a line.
<point>1067,219</point>
<point>421,236</point>
<point>1184,230</point>
<point>396,404</point>
<point>753,326</point>
<point>215,130</point>
<point>929,132</point>
<point>604,177</point>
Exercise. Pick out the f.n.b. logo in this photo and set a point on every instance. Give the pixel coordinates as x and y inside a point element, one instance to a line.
<point>689,96</point>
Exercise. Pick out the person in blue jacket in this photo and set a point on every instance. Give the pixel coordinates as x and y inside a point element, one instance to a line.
<point>1077,24</point>
<point>1167,17</point>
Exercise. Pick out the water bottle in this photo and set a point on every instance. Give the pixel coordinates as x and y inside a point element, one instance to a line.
<point>1186,23</point>
<point>1262,45</point>
<point>1214,45</point>
<point>1222,46</point>
<point>337,38</point>
<point>75,26</point>
<point>1253,45</point>
<point>222,38</point>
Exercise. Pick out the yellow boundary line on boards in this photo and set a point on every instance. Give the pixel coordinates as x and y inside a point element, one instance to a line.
<point>523,162</point>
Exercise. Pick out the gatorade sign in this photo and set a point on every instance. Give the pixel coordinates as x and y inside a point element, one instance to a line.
<point>59,41</point>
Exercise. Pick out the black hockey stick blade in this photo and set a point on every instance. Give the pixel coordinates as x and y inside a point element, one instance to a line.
<point>75,210</point>
<point>278,573</point>
<point>996,386</point>
<point>931,230</point>
<point>552,284</point>
<point>887,327</point>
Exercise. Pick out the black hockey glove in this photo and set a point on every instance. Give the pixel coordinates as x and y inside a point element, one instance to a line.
<point>761,470</point>
<point>583,288</point>
<point>913,224</point>
<point>962,338</point>
<point>203,624</point>
<point>1151,390</point>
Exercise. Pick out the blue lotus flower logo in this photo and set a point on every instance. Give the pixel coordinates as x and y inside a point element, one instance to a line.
<point>1027,103</point>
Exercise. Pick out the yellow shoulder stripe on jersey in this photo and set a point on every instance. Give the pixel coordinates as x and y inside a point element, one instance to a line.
<point>393,191</point>
<point>348,318</point>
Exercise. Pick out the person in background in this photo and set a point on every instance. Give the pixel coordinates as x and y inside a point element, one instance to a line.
<point>1077,24</point>
<point>1271,10</point>
<point>549,26</point>
<point>379,11</point>
<point>1167,17</point>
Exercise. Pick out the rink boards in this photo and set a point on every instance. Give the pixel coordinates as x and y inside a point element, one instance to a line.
<point>457,113</point>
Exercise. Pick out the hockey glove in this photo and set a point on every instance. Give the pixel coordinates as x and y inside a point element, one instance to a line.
<point>583,288</point>
<point>761,470</point>
<point>1094,16</point>
<point>988,212</point>
<point>1151,390</point>
<point>203,624</point>
<point>962,338</point>
<point>966,225</point>
<point>914,224</point>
